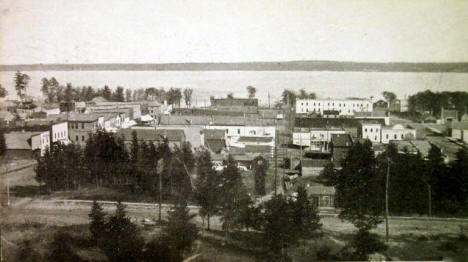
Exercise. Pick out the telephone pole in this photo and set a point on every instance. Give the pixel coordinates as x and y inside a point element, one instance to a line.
<point>386,198</point>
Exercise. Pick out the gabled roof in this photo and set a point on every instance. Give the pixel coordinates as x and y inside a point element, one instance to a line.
<point>18,140</point>
<point>99,99</point>
<point>215,145</point>
<point>84,117</point>
<point>211,134</point>
<point>252,139</point>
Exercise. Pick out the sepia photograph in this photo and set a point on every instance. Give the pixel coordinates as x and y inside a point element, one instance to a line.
<point>233,130</point>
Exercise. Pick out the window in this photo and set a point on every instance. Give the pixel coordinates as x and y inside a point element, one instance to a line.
<point>82,125</point>
<point>238,131</point>
<point>375,138</point>
<point>371,130</point>
<point>402,136</point>
<point>76,138</point>
<point>394,136</point>
<point>365,129</point>
<point>82,138</point>
<point>387,136</point>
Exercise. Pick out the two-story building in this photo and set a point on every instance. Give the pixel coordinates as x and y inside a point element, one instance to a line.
<point>343,107</point>
<point>80,126</point>
<point>317,139</point>
<point>377,133</point>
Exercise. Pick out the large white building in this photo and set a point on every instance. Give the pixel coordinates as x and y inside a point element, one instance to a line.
<point>344,107</point>
<point>377,133</point>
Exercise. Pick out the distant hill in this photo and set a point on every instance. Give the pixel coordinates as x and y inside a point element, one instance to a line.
<point>251,66</point>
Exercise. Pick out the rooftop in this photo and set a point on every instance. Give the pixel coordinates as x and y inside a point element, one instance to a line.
<point>211,134</point>
<point>152,134</point>
<point>253,139</point>
<point>84,117</point>
<point>18,140</point>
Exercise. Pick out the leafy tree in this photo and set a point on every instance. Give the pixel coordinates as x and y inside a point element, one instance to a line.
<point>390,97</point>
<point>128,95</point>
<point>68,93</point>
<point>174,95</point>
<point>158,250</point>
<point>459,176</point>
<point>434,178</point>
<point>303,94</point>
<point>234,198</point>
<point>119,94</point>
<point>187,156</point>
<point>230,96</point>
<point>90,93</point>
<point>278,226</point>
<point>121,241</point>
<point>359,187</point>
<point>60,249</point>
<point>365,244</point>
<point>106,93</point>
<point>251,90</point>
<point>207,186</point>
<point>188,96</point>
<point>3,91</point>
<point>179,233</point>
<point>3,146</point>
<point>288,97</point>
<point>359,193</point>
<point>260,167</point>
<point>98,221</point>
<point>21,83</point>
<point>27,253</point>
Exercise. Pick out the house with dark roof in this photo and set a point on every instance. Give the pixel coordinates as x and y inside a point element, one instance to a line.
<point>246,105</point>
<point>152,135</point>
<point>80,126</point>
<point>18,145</point>
<point>213,139</point>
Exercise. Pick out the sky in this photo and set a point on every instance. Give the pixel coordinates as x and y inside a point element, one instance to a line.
<point>140,31</point>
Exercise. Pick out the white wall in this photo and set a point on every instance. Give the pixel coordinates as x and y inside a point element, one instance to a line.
<point>371,132</point>
<point>60,132</point>
<point>345,107</point>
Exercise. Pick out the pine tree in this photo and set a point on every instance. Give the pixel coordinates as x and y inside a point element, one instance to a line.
<point>305,214</point>
<point>61,249</point>
<point>207,193</point>
<point>98,221</point>
<point>278,226</point>
<point>260,167</point>
<point>106,93</point>
<point>179,233</point>
<point>233,198</point>
<point>121,241</point>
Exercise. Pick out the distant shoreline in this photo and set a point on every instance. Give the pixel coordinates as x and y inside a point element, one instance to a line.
<point>461,67</point>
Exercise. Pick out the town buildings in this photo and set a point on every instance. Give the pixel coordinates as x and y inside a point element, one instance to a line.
<point>343,107</point>
<point>245,105</point>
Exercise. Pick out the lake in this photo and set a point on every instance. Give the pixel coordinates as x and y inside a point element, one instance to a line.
<point>219,83</point>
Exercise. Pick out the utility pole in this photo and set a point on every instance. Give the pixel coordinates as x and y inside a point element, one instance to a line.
<point>276,157</point>
<point>386,198</point>
<point>160,197</point>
